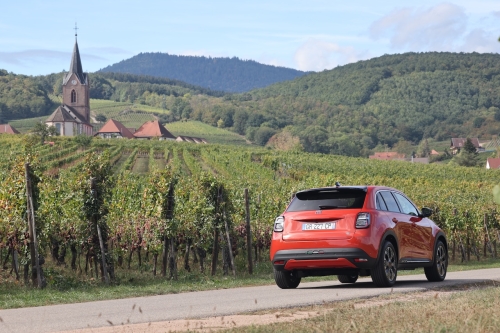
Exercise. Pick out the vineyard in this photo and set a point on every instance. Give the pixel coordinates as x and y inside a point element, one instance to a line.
<point>183,203</point>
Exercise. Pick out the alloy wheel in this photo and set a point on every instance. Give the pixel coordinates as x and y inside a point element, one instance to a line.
<point>390,263</point>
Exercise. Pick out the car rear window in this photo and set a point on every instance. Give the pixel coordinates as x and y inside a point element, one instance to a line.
<point>327,199</point>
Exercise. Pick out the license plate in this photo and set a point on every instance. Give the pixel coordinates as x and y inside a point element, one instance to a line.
<point>319,226</point>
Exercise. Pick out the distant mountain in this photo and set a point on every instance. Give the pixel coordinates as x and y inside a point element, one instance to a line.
<point>224,74</point>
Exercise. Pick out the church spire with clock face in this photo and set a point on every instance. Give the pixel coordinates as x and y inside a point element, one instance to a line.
<point>76,85</point>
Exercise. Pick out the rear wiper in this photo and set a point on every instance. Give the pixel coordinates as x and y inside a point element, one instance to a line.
<point>331,207</point>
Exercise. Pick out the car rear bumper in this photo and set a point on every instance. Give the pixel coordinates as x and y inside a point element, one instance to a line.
<point>323,258</point>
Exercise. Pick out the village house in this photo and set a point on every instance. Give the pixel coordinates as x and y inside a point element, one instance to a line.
<point>493,163</point>
<point>114,129</point>
<point>153,129</point>
<point>7,129</point>
<point>458,143</point>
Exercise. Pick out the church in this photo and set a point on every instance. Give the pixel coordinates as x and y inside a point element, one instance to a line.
<point>73,116</point>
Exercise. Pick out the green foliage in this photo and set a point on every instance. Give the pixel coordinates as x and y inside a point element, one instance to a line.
<point>83,140</point>
<point>42,131</point>
<point>224,74</point>
<point>469,147</point>
<point>101,118</point>
<point>136,211</point>
<point>263,134</point>
<point>22,97</point>
<point>348,110</point>
<point>423,149</point>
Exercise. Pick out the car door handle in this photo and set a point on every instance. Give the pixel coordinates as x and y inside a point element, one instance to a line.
<point>395,220</point>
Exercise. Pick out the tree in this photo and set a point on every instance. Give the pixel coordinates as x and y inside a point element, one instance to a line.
<point>42,130</point>
<point>240,121</point>
<point>263,134</point>
<point>83,140</point>
<point>100,118</point>
<point>423,149</point>
<point>467,156</point>
<point>403,147</point>
<point>1,114</point>
<point>469,147</point>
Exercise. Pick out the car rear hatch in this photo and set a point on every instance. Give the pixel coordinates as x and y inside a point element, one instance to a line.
<point>323,214</point>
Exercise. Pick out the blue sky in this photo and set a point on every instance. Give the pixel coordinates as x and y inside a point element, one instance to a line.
<point>37,36</point>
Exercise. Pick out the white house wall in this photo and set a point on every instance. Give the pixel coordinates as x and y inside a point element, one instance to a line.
<point>68,129</point>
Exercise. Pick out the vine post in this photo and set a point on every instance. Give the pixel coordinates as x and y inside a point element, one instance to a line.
<point>101,243</point>
<point>454,238</point>
<point>249,232</point>
<point>36,275</point>
<point>215,248</point>
<point>230,248</point>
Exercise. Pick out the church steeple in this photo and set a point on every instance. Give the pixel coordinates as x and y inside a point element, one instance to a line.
<point>76,63</point>
<point>76,88</point>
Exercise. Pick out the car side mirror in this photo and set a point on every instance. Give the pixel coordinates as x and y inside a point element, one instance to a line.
<point>426,212</point>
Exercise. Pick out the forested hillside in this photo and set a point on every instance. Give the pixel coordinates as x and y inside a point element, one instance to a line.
<point>390,101</point>
<point>351,109</point>
<point>21,97</point>
<point>225,74</point>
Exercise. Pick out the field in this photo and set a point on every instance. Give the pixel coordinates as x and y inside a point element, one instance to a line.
<point>156,197</point>
<point>25,125</point>
<point>201,130</point>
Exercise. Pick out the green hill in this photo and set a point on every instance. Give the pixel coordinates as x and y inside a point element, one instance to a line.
<point>393,100</point>
<point>224,74</point>
<point>351,109</point>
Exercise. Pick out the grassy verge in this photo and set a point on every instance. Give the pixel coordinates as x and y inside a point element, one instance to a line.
<point>474,310</point>
<point>67,286</point>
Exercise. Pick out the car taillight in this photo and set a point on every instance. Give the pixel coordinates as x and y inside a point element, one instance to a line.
<point>363,221</point>
<point>279,224</point>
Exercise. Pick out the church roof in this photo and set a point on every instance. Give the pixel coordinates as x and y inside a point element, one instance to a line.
<point>8,129</point>
<point>114,126</point>
<point>151,129</point>
<point>76,66</point>
<point>65,113</point>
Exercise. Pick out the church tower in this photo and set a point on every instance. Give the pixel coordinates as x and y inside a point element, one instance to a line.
<point>73,116</point>
<point>76,86</point>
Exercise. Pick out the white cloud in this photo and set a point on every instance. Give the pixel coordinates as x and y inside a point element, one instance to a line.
<point>37,56</point>
<point>317,55</point>
<point>436,28</point>
<point>32,56</point>
<point>480,41</point>
<point>268,59</point>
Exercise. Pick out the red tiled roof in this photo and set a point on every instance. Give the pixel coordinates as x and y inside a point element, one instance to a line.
<point>114,126</point>
<point>152,129</point>
<point>7,129</point>
<point>493,163</point>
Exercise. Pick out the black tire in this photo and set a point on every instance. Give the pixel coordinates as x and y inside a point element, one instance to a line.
<point>347,278</point>
<point>286,279</point>
<point>437,272</point>
<point>386,271</point>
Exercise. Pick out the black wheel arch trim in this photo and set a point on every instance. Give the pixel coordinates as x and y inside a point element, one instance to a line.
<point>384,239</point>
<point>439,235</point>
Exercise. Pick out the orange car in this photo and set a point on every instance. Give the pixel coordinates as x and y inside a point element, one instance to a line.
<point>353,231</point>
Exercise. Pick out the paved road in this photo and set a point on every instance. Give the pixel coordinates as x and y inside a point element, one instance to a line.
<point>209,303</point>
